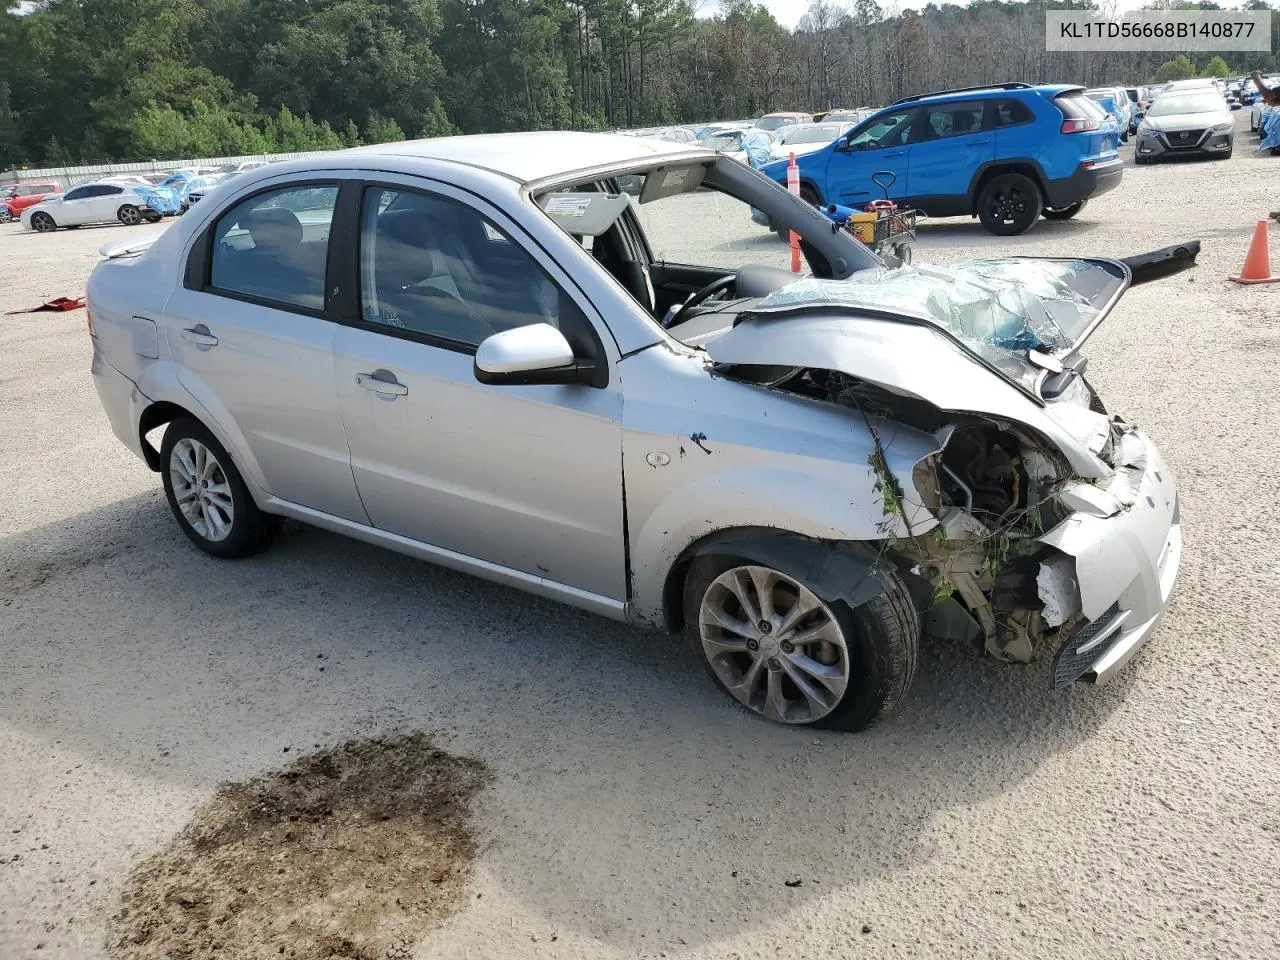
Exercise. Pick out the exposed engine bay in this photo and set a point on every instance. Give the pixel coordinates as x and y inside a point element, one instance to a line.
<point>982,574</point>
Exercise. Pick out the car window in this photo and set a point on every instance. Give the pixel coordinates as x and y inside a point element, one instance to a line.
<point>947,120</point>
<point>437,268</point>
<point>78,193</point>
<point>273,246</point>
<point>889,130</point>
<point>1006,113</point>
<point>107,190</point>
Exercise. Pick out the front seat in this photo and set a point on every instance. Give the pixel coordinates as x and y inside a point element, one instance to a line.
<point>408,272</point>
<point>277,238</point>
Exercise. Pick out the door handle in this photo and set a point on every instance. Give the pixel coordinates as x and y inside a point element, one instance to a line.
<point>980,143</point>
<point>898,153</point>
<point>200,336</point>
<point>378,384</point>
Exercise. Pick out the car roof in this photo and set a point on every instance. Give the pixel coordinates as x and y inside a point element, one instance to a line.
<point>526,157</point>
<point>1049,90</point>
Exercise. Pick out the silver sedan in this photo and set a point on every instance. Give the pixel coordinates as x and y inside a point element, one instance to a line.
<point>484,352</point>
<point>1193,123</point>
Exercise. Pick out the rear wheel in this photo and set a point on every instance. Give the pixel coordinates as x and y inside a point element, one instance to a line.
<point>5,215</point>
<point>1063,213</point>
<point>129,215</point>
<point>208,496</point>
<point>41,222</point>
<point>1009,204</point>
<point>792,656</point>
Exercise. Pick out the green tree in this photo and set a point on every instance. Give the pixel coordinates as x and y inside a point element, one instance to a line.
<point>1217,67</point>
<point>1179,68</point>
<point>378,130</point>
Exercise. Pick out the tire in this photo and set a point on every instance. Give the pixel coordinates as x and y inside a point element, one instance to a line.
<point>1063,213</point>
<point>5,215</point>
<point>1009,204</point>
<point>1124,137</point>
<point>869,652</point>
<point>129,215</point>
<point>1227,155</point>
<point>42,222</point>
<point>153,218</point>
<point>221,519</point>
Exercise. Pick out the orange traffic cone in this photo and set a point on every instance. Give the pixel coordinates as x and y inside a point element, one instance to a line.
<point>1257,262</point>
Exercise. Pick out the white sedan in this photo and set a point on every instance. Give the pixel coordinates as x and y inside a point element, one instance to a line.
<point>99,202</point>
<point>805,138</point>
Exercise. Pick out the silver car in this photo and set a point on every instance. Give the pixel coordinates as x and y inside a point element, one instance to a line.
<point>1195,122</point>
<point>476,351</point>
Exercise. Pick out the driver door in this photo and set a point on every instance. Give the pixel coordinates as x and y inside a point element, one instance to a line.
<point>878,145</point>
<point>525,477</point>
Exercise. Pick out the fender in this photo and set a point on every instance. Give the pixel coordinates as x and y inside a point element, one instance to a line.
<point>841,570</point>
<point>167,382</point>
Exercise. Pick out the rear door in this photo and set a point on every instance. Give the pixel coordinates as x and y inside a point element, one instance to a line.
<point>251,330</point>
<point>948,144</point>
<point>107,200</point>
<point>879,145</point>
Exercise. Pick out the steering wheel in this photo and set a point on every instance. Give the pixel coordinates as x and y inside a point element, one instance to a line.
<point>698,297</point>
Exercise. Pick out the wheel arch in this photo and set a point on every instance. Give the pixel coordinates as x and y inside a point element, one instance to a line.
<point>992,169</point>
<point>157,415</point>
<point>844,569</point>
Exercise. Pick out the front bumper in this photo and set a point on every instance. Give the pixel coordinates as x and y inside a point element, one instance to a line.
<point>1125,563</point>
<point>1086,182</point>
<point>1208,143</point>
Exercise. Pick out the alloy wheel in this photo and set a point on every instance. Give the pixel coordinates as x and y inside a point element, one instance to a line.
<point>42,223</point>
<point>201,489</point>
<point>1008,205</point>
<point>775,646</point>
<point>130,215</point>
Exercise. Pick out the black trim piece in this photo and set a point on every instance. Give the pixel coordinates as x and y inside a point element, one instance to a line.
<point>401,333</point>
<point>1013,85</point>
<point>342,287</point>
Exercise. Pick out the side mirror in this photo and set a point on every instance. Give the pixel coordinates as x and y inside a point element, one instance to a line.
<point>533,354</point>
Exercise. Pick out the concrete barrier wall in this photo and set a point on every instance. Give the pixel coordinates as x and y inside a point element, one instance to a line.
<point>68,176</point>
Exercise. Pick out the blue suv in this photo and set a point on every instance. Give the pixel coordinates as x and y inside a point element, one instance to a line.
<point>1006,154</point>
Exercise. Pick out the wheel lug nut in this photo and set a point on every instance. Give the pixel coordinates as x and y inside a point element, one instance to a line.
<point>788,646</point>
<point>774,664</point>
<point>765,626</point>
<point>753,645</point>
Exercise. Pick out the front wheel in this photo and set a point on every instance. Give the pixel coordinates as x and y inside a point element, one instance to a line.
<point>1009,204</point>
<point>129,215</point>
<point>208,496</point>
<point>1063,213</point>
<point>41,222</point>
<point>792,656</point>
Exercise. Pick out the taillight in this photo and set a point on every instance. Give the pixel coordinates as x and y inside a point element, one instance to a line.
<point>1080,126</point>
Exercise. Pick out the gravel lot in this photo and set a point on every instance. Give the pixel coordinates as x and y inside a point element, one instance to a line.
<point>630,810</point>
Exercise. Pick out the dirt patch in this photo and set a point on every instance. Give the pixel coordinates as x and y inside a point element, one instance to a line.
<point>351,852</point>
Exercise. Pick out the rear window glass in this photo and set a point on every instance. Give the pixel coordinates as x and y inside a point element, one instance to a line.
<point>1076,106</point>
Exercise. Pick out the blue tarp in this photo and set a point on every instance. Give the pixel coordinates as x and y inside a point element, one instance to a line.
<point>1270,127</point>
<point>167,195</point>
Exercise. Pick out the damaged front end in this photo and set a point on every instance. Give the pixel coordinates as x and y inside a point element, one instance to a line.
<point>1054,526</point>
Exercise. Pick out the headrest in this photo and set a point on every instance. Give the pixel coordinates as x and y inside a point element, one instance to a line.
<point>416,230</point>
<point>275,227</point>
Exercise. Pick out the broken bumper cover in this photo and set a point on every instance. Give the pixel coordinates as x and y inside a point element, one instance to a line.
<point>1125,563</point>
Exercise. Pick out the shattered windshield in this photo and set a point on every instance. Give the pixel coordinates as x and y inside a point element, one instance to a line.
<point>999,309</point>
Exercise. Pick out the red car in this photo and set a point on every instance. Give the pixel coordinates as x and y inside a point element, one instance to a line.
<point>17,197</point>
